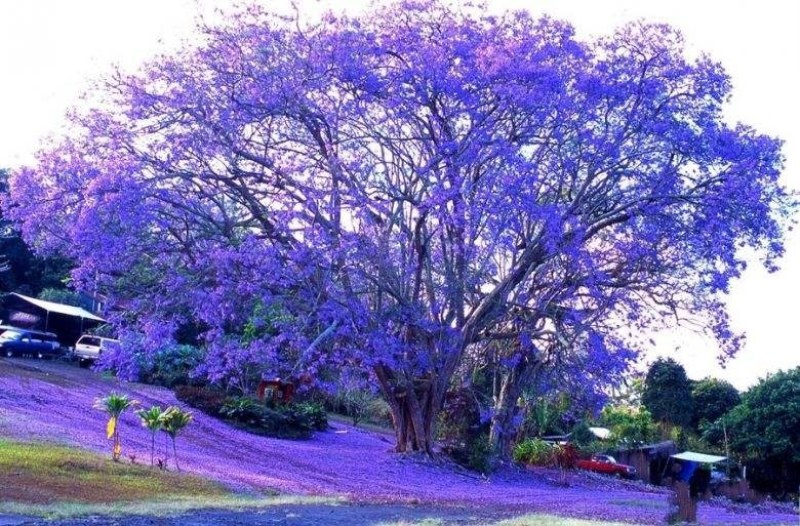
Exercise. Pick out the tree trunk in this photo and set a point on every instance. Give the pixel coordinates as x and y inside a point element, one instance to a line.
<point>175,454</point>
<point>503,426</point>
<point>415,406</point>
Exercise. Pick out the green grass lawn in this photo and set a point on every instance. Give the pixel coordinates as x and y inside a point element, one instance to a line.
<point>57,481</point>
<point>41,473</point>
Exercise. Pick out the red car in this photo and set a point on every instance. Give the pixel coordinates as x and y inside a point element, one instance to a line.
<point>608,465</point>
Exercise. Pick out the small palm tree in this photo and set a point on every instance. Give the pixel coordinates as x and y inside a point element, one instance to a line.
<point>173,421</point>
<point>114,404</point>
<point>151,419</point>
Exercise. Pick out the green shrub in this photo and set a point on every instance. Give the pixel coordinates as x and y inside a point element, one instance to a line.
<point>243,410</point>
<point>172,365</point>
<point>534,451</point>
<point>582,435</point>
<point>354,403</point>
<point>478,454</point>
<point>283,421</point>
<point>314,413</point>
<point>360,406</point>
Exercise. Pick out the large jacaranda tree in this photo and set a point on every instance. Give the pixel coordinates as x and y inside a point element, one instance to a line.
<point>402,188</point>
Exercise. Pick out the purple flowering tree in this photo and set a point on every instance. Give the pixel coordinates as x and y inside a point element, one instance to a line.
<point>409,186</point>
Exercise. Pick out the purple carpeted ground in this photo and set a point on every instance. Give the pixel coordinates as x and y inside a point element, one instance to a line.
<point>53,401</point>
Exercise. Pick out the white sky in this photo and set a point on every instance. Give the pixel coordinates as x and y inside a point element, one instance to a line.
<point>50,51</point>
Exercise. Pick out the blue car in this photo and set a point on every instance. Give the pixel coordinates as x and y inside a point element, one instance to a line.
<point>18,342</point>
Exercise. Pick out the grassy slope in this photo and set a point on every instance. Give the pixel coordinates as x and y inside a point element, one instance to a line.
<point>57,481</point>
<point>41,473</point>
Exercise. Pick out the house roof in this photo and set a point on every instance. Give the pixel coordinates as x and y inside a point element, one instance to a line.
<point>60,308</point>
<point>698,457</point>
<point>600,432</point>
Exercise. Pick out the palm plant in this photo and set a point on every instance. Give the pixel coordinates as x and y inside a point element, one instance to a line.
<point>173,421</point>
<point>114,405</point>
<point>151,419</point>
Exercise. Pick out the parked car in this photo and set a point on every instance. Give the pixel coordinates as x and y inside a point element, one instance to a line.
<point>15,341</point>
<point>608,465</point>
<point>90,347</point>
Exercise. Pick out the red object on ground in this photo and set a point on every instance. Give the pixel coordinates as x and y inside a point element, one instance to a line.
<point>606,464</point>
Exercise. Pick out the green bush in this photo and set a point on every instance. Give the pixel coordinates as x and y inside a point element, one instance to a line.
<point>360,406</point>
<point>172,365</point>
<point>244,410</point>
<point>283,421</point>
<point>533,451</point>
<point>476,454</point>
<point>582,435</point>
<point>354,403</point>
<point>314,413</point>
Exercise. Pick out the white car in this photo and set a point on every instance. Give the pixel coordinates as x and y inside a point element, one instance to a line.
<point>90,347</point>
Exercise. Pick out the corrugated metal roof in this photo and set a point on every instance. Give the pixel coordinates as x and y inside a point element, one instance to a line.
<point>698,457</point>
<point>60,308</point>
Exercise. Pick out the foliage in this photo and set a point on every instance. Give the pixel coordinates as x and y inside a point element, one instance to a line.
<point>476,454</point>
<point>667,393</point>
<point>765,429</point>
<point>354,403</point>
<point>712,398</point>
<point>629,426</point>
<point>244,410</point>
<point>534,451</point>
<point>114,405</point>
<point>565,458</point>
<point>171,365</point>
<point>581,435</point>
<point>411,185</point>
<point>173,421</point>
<point>767,422</point>
<point>67,297</point>
<point>151,419</point>
<point>312,412</point>
<point>283,421</point>
<point>20,269</point>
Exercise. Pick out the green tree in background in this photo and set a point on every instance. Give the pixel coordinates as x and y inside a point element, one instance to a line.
<point>712,399</point>
<point>667,394</point>
<point>767,422</point>
<point>629,426</point>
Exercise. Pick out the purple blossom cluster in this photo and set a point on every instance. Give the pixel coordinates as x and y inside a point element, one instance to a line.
<point>53,402</point>
<point>395,191</point>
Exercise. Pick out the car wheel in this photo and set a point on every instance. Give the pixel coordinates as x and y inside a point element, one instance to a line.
<point>10,353</point>
<point>40,355</point>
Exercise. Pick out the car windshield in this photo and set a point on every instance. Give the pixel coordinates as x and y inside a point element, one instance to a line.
<point>10,335</point>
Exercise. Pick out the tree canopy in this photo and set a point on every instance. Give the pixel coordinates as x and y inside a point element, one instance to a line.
<point>668,393</point>
<point>767,422</point>
<point>712,399</point>
<point>410,186</point>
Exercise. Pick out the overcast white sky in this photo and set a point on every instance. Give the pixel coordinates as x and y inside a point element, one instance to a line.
<point>50,50</point>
